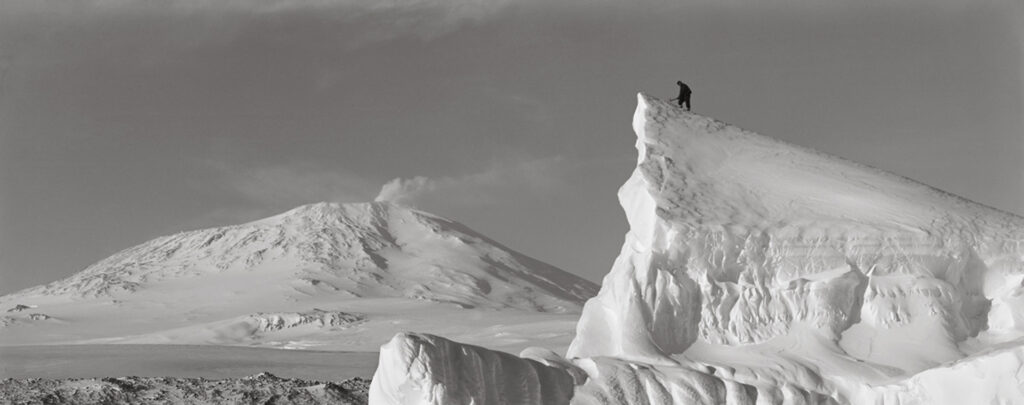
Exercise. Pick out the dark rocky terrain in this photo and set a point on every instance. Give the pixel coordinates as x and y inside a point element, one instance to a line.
<point>263,388</point>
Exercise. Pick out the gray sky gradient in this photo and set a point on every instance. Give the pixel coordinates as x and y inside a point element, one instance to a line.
<point>121,121</point>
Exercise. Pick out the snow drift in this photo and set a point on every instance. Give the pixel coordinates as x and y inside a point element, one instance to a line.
<point>756,271</point>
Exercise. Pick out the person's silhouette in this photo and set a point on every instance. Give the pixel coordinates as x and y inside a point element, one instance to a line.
<point>684,95</point>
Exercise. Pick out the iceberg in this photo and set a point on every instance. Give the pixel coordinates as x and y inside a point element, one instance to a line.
<point>756,271</point>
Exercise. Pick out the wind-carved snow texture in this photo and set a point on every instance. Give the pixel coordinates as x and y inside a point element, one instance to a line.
<point>756,271</point>
<point>433,370</point>
<point>372,269</point>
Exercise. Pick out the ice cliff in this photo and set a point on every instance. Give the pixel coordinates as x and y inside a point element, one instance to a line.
<point>434,370</point>
<point>757,271</point>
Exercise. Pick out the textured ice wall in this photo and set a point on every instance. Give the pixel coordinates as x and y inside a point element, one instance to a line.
<point>419,369</point>
<point>616,381</point>
<point>426,369</point>
<point>817,280</point>
<point>735,237</point>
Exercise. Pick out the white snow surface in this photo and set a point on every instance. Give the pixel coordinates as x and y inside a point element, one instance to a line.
<point>326,276</point>
<point>757,272</point>
<point>432,370</point>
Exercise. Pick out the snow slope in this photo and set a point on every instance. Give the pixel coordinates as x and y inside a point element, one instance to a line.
<point>332,276</point>
<point>757,271</point>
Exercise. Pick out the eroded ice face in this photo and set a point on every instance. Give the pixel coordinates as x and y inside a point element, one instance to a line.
<point>758,271</point>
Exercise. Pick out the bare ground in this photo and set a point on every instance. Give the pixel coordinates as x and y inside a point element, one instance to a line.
<point>263,388</point>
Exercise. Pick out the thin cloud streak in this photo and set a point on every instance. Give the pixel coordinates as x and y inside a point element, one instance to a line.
<point>281,187</point>
<point>378,21</point>
<point>500,182</point>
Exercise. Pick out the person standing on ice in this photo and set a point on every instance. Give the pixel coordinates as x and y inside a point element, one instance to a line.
<point>684,95</point>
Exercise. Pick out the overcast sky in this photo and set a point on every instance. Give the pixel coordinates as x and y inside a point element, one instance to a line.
<point>123,120</point>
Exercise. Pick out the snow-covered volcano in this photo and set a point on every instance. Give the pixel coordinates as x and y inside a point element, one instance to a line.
<point>756,271</point>
<point>312,270</point>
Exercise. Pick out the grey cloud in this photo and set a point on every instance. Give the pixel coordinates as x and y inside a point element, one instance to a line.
<point>406,191</point>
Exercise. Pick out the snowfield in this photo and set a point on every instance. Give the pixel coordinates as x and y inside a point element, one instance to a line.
<point>756,271</point>
<point>180,361</point>
<point>322,276</point>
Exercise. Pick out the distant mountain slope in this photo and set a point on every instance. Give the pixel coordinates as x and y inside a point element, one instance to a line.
<point>353,250</point>
<point>319,259</point>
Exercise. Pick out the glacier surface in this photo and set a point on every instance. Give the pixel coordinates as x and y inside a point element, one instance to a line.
<point>758,272</point>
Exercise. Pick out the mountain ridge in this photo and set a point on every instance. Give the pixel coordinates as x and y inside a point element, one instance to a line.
<point>323,238</point>
<point>332,276</point>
